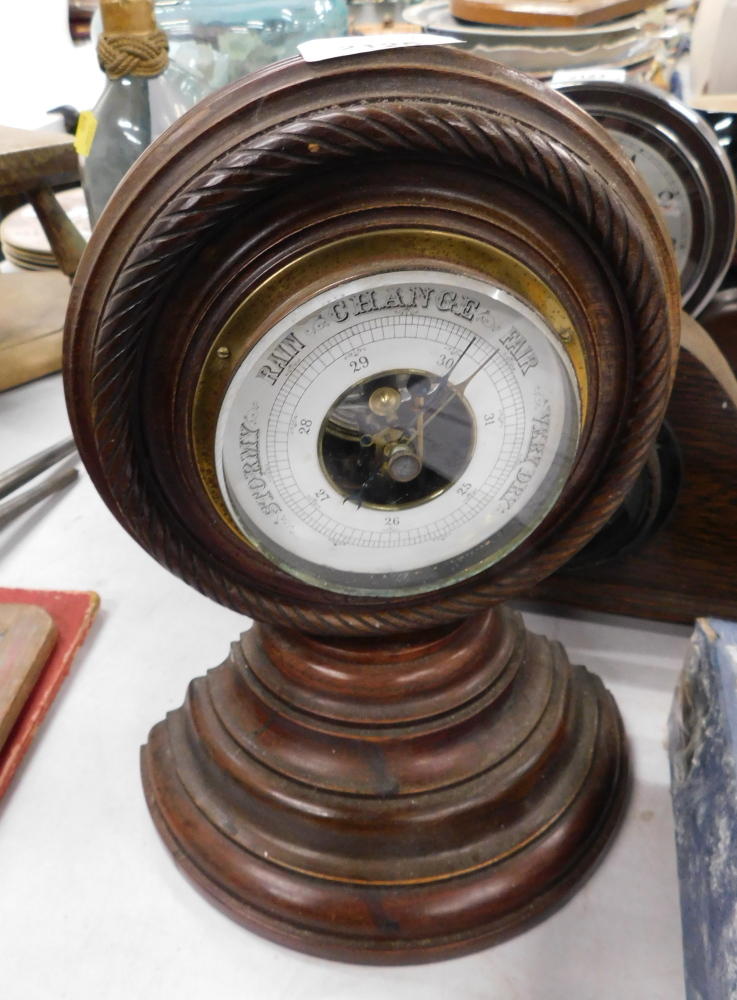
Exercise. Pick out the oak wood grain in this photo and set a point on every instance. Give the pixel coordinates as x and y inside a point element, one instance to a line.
<point>688,569</point>
<point>27,636</point>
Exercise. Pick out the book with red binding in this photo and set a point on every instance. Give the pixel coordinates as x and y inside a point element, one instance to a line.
<point>73,613</point>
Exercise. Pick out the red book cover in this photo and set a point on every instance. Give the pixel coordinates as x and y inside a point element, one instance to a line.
<point>73,613</point>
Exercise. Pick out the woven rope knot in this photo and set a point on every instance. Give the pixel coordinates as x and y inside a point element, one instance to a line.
<point>133,55</point>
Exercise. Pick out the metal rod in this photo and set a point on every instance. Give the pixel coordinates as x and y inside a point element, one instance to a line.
<point>20,504</point>
<point>19,475</point>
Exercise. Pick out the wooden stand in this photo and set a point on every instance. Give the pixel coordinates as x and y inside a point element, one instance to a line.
<point>32,305</point>
<point>394,800</point>
<point>31,163</point>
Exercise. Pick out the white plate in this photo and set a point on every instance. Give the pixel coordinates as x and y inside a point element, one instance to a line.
<point>434,16</point>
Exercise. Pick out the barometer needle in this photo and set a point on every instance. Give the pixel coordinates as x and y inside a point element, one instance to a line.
<point>442,384</point>
<point>457,390</point>
<point>444,380</point>
<point>461,387</point>
<point>357,495</point>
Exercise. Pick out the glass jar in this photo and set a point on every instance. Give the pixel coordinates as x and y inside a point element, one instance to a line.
<point>219,41</point>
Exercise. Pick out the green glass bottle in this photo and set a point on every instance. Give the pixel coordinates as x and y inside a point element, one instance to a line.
<point>143,96</point>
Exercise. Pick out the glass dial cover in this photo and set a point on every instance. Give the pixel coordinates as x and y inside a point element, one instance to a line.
<point>398,433</point>
<point>669,190</point>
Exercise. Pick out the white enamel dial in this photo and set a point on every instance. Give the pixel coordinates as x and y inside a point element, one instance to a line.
<point>398,432</point>
<point>668,188</point>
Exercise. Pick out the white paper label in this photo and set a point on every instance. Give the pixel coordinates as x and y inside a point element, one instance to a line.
<point>589,74</point>
<point>318,49</point>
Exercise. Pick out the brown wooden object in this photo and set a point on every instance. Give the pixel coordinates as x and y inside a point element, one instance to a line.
<point>688,568</point>
<point>67,243</point>
<point>33,159</point>
<point>370,778</point>
<point>32,309</point>
<point>27,636</point>
<point>393,801</point>
<point>32,163</point>
<point>545,13</point>
<point>720,320</point>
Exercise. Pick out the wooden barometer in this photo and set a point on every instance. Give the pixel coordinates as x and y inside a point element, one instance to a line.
<point>362,348</point>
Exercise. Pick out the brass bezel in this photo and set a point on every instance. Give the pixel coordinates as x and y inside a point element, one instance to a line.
<point>348,258</point>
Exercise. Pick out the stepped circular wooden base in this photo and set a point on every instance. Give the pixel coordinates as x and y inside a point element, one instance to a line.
<point>392,800</point>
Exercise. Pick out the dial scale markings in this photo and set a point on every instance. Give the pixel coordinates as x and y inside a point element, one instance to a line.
<point>279,461</point>
<point>522,396</point>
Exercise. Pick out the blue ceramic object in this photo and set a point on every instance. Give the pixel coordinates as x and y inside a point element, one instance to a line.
<point>703,752</point>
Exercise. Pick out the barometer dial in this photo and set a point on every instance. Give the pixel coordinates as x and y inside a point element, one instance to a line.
<point>398,432</point>
<point>679,157</point>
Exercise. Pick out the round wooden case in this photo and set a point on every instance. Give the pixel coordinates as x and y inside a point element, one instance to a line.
<point>301,175</point>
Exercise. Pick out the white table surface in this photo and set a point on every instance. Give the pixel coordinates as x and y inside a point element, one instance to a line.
<point>93,908</point>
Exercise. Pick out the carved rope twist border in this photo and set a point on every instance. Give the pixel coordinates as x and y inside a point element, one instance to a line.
<point>239,178</point>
